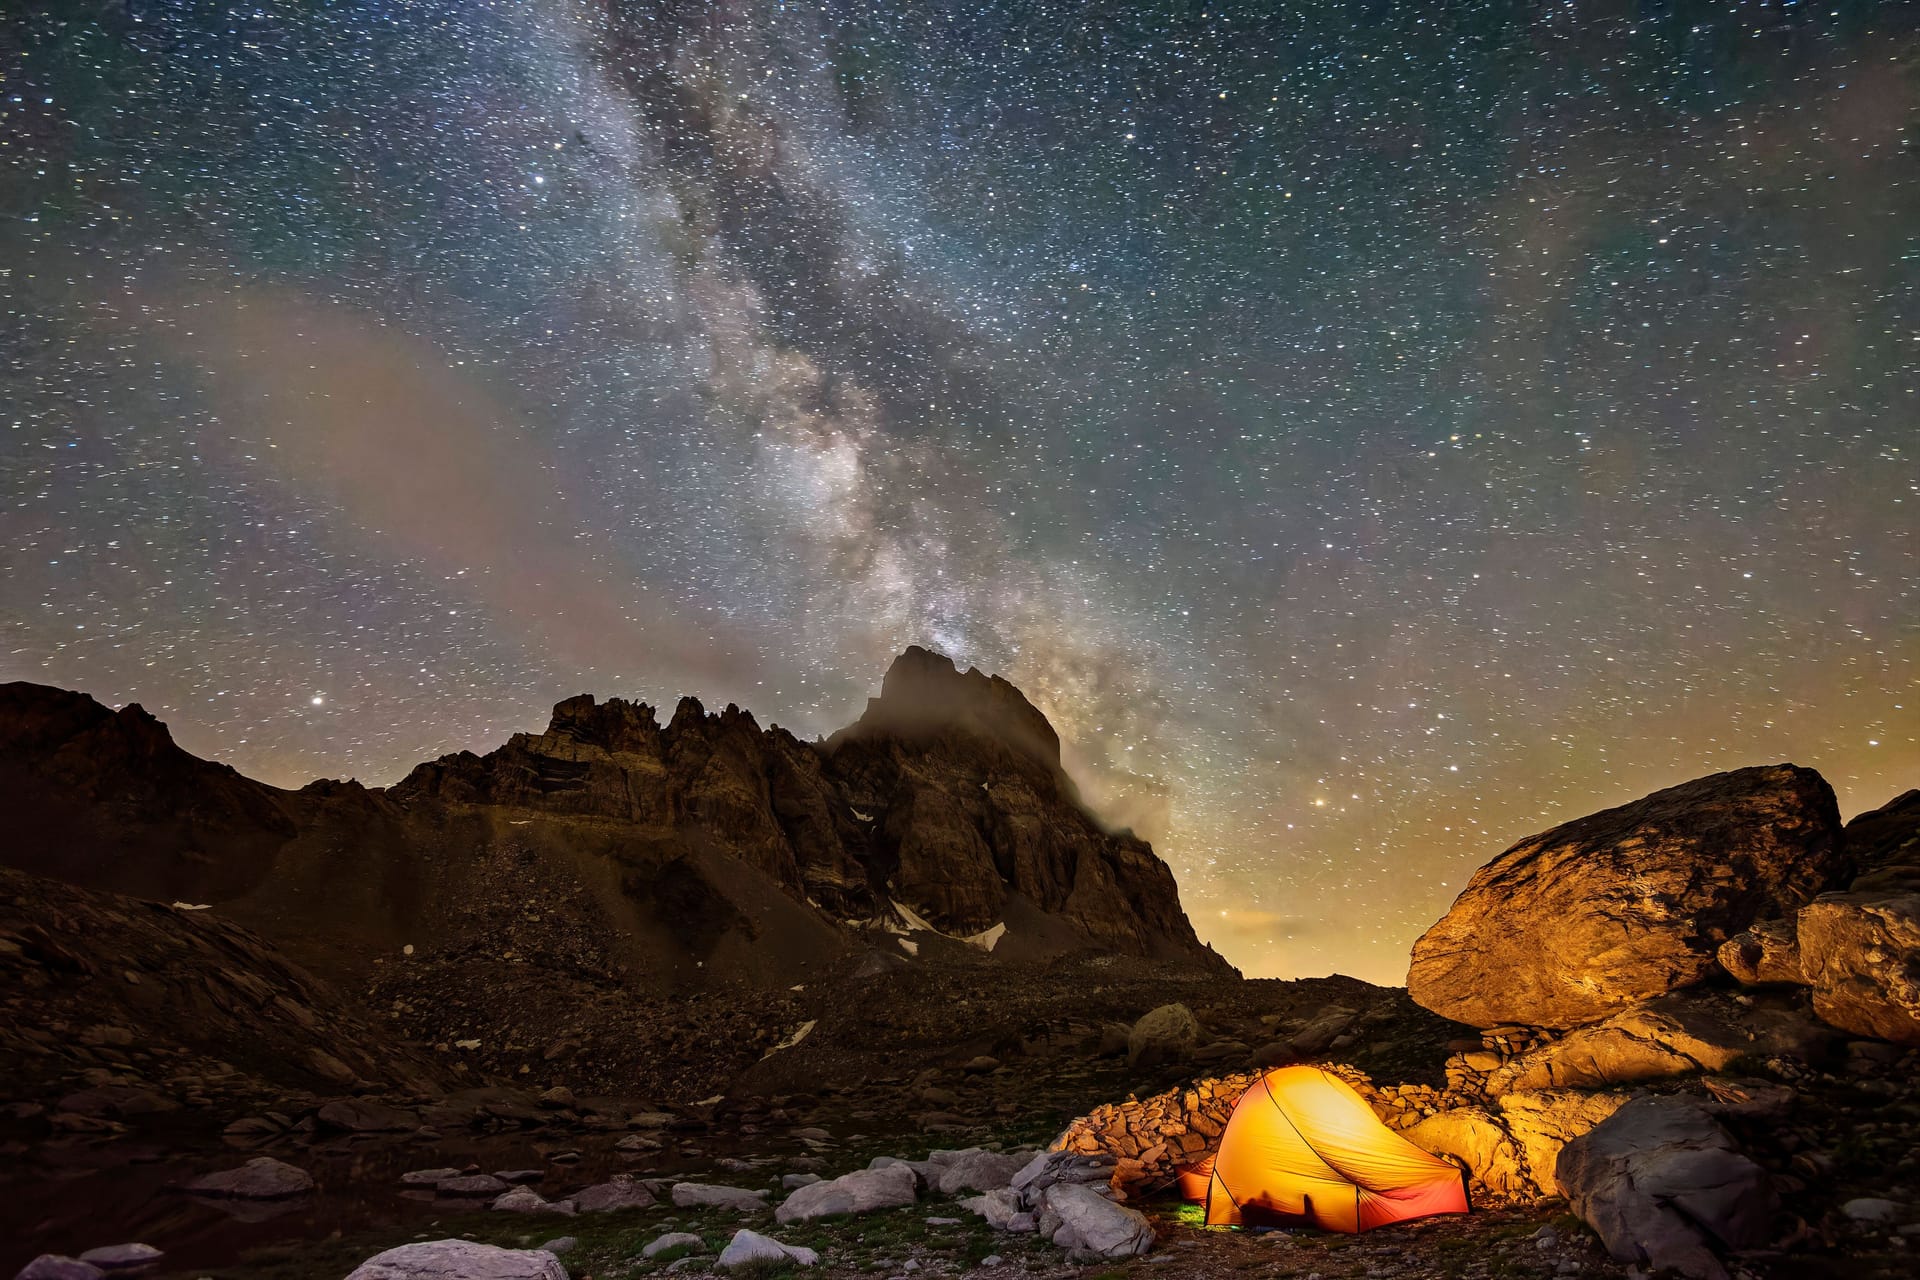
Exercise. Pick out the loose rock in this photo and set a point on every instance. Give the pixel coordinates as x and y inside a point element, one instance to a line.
<point>1167,1034</point>
<point>527,1200</point>
<point>705,1195</point>
<point>673,1240</point>
<point>606,1197</point>
<point>749,1247</point>
<point>56,1266</point>
<point>1089,1225</point>
<point>862,1191</point>
<point>123,1258</point>
<point>261,1178</point>
<point>459,1260</point>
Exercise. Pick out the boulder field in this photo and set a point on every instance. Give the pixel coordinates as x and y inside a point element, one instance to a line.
<point>1680,963</point>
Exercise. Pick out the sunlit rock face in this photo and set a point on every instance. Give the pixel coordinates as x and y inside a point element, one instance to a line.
<point>1623,905</point>
<point>1860,951</point>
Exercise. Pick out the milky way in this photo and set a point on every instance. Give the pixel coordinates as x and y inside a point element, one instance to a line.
<point>1372,432</point>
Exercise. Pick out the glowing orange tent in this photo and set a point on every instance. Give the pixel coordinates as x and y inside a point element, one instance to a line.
<point>1303,1149</point>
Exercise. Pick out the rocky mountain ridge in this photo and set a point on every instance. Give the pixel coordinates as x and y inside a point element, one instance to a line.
<point>943,813</point>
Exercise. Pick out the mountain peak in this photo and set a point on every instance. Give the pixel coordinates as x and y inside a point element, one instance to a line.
<point>924,691</point>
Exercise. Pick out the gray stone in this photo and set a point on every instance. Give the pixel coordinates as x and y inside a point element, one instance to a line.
<point>123,1257</point>
<point>478,1184</point>
<point>861,1191</point>
<point>1167,1034</point>
<point>459,1260</point>
<point>56,1266</point>
<point>561,1244</point>
<point>981,1171</point>
<point>1863,1209</point>
<point>261,1178</point>
<point>673,1240</point>
<point>518,1177</point>
<point>1001,1209</point>
<point>750,1247</point>
<point>1322,1030</point>
<point>527,1200</point>
<point>794,1181</point>
<point>1089,1225</point>
<point>706,1195</point>
<point>620,1193</point>
<point>1662,1184</point>
<point>428,1177</point>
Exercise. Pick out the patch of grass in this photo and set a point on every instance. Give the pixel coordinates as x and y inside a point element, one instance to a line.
<point>764,1270</point>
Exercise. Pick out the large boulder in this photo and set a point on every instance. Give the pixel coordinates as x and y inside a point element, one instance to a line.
<point>1677,1034</point>
<point>459,1260</point>
<point>1167,1034</point>
<point>1597,914</point>
<point>1860,952</point>
<point>261,1178</point>
<point>1664,1187</point>
<point>861,1191</point>
<point>1088,1225</point>
<point>1765,954</point>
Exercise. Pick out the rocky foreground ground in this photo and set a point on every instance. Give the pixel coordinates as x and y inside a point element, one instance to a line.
<point>350,1177</point>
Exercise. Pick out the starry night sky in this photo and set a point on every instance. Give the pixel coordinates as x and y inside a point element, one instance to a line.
<point>1372,432</point>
